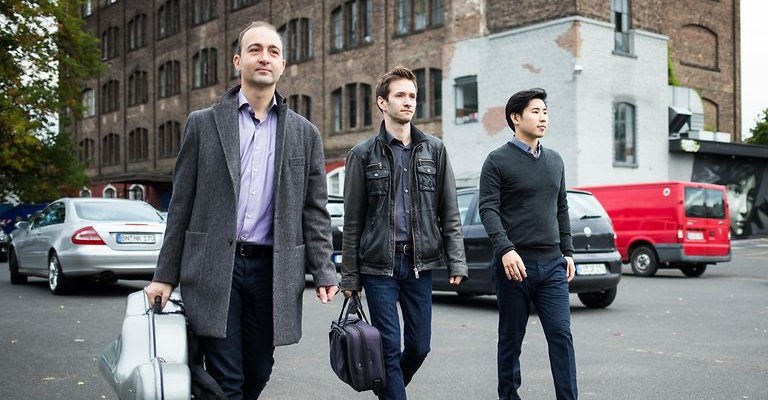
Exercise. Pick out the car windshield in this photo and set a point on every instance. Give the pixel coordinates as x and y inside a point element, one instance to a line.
<point>114,211</point>
<point>584,206</point>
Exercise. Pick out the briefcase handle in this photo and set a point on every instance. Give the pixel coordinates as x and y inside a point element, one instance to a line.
<point>355,306</point>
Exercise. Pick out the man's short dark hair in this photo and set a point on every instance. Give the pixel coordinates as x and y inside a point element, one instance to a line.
<point>398,72</point>
<point>517,103</point>
<point>252,25</point>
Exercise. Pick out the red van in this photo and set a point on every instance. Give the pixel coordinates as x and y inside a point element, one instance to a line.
<point>682,225</point>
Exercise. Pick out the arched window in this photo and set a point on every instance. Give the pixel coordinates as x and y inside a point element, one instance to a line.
<point>168,139</point>
<point>89,103</point>
<point>110,149</point>
<point>169,79</point>
<point>301,104</point>
<point>203,10</point>
<point>351,25</point>
<point>110,41</point>
<point>168,19</point>
<point>85,192</point>
<point>137,32</point>
<point>429,102</point>
<point>204,68</point>
<point>136,192</point>
<point>87,149</point>
<point>138,88</point>
<point>297,40</point>
<point>138,145</point>
<point>110,96</point>
<point>701,48</point>
<point>109,192</point>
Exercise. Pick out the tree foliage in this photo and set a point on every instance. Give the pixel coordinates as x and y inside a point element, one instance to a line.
<point>44,56</point>
<point>760,131</point>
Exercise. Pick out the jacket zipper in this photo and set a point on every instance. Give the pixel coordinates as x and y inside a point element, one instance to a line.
<point>393,197</point>
<point>413,238</point>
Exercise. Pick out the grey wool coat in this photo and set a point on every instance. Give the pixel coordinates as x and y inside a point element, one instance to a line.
<point>199,248</point>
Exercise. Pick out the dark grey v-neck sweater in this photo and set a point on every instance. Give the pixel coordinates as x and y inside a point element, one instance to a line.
<point>523,203</point>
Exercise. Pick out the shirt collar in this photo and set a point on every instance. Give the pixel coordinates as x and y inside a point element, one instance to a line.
<point>392,140</point>
<point>517,142</point>
<point>243,102</point>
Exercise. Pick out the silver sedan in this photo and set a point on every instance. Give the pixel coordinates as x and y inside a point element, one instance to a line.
<point>102,239</point>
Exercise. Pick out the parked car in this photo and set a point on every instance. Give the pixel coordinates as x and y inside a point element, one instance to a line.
<point>335,207</point>
<point>95,238</point>
<point>5,241</point>
<point>598,264</point>
<point>684,225</point>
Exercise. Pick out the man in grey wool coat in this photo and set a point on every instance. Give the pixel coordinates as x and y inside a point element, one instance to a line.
<point>246,217</point>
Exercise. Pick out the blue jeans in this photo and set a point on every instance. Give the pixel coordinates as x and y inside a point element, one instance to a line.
<point>415,297</point>
<point>241,363</point>
<point>547,288</point>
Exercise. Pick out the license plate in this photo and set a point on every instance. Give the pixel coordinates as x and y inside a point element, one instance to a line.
<point>694,235</point>
<point>144,238</point>
<point>590,269</point>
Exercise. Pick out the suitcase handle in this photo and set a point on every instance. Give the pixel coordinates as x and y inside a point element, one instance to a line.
<point>352,307</point>
<point>157,306</point>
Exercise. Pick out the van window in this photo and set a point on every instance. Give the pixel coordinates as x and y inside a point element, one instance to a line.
<point>704,203</point>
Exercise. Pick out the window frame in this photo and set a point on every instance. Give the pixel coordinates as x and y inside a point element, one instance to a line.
<point>618,120</point>
<point>458,86</point>
<point>205,68</point>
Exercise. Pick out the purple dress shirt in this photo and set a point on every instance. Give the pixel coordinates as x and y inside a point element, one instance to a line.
<point>255,208</point>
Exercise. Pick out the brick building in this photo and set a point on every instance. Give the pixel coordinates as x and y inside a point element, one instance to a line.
<point>169,57</point>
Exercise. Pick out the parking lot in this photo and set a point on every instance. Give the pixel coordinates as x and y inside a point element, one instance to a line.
<point>666,337</point>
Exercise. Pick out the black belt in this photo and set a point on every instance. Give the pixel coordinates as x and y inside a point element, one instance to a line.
<point>404,247</point>
<point>250,250</point>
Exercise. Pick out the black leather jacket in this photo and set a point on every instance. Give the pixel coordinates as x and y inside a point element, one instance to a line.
<point>369,207</point>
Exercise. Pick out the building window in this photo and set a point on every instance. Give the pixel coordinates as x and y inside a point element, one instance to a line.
<point>109,192</point>
<point>110,40</point>
<point>137,32</point>
<point>352,105</point>
<point>429,93</point>
<point>110,149</point>
<point>235,73</point>
<point>466,99</point>
<point>701,47</point>
<point>138,88</point>
<point>625,152</point>
<point>138,145</point>
<point>89,103</point>
<point>418,15</point>
<point>297,40</point>
<point>336,104</point>
<point>87,8</point>
<point>204,68</point>
<point>335,180</point>
<point>352,25</point>
<point>366,92</point>
<point>203,11</point>
<point>87,148</point>
<point>238,4</point>
<point>301,104</point>
<point>168,139</point>
<point>136,192</point>
<point>436,78</point>
<point>85,192</point>
<point>169,79</point>
<point>620,18</point>
<point>168,19</point>
<point>110,96</point>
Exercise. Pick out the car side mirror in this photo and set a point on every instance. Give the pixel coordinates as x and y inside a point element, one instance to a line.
<point>22,225</point>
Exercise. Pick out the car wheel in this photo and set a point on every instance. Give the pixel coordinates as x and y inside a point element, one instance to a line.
<point>598,299</point>
<point>644,262</point>
<point>693,270</point>
<point>57,282</point>
<point>13,265</point>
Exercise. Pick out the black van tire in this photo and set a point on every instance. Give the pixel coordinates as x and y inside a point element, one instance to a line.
<point>644,261</point>
<point>598,299</point>
<point>693,271</point>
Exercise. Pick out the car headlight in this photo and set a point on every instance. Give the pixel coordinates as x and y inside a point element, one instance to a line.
<point>3,236</point>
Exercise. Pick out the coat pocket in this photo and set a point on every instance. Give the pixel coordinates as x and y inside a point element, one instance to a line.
<point>426,173</point>
<point>377,179</point>
<point>193,258</point>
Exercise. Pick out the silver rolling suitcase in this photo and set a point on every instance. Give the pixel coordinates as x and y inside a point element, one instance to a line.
<point>148,361</point>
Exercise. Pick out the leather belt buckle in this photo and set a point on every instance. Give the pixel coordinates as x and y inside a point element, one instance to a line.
<point>405,248</point>
<point>241,250</point>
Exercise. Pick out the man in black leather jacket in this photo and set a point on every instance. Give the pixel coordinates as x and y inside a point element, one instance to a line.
<point>401,220</point>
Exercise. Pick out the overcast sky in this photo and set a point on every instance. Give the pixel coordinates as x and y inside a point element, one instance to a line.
<point>754,61</point>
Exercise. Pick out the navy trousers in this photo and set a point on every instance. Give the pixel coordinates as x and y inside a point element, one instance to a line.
<point>415,298</point>
<point>547,288</point>
<point>241,363</point>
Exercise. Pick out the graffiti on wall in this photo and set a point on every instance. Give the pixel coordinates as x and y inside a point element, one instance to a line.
<point>746,183</point>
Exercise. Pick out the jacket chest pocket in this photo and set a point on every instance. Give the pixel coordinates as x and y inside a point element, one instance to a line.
<point>426,174</point>
<point>377,179</point>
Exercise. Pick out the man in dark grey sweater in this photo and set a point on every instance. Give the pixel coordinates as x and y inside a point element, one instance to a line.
<point>524,209</point>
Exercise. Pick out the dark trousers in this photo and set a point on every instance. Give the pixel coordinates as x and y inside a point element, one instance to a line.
<point>415,297</point>
<point>547,288</point>
<point>241,363</point>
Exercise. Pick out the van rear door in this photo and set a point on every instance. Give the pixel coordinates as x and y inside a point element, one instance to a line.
<point>706,225</point>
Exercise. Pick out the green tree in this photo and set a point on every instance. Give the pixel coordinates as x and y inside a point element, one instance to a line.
<point>44,56</point>
<point>760,131</point>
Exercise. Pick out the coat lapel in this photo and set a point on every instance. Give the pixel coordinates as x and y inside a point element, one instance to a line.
<point>225,114</point>
<point>280,139</point>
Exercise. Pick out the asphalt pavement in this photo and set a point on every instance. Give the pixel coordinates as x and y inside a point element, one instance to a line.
<point>666,337</point>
